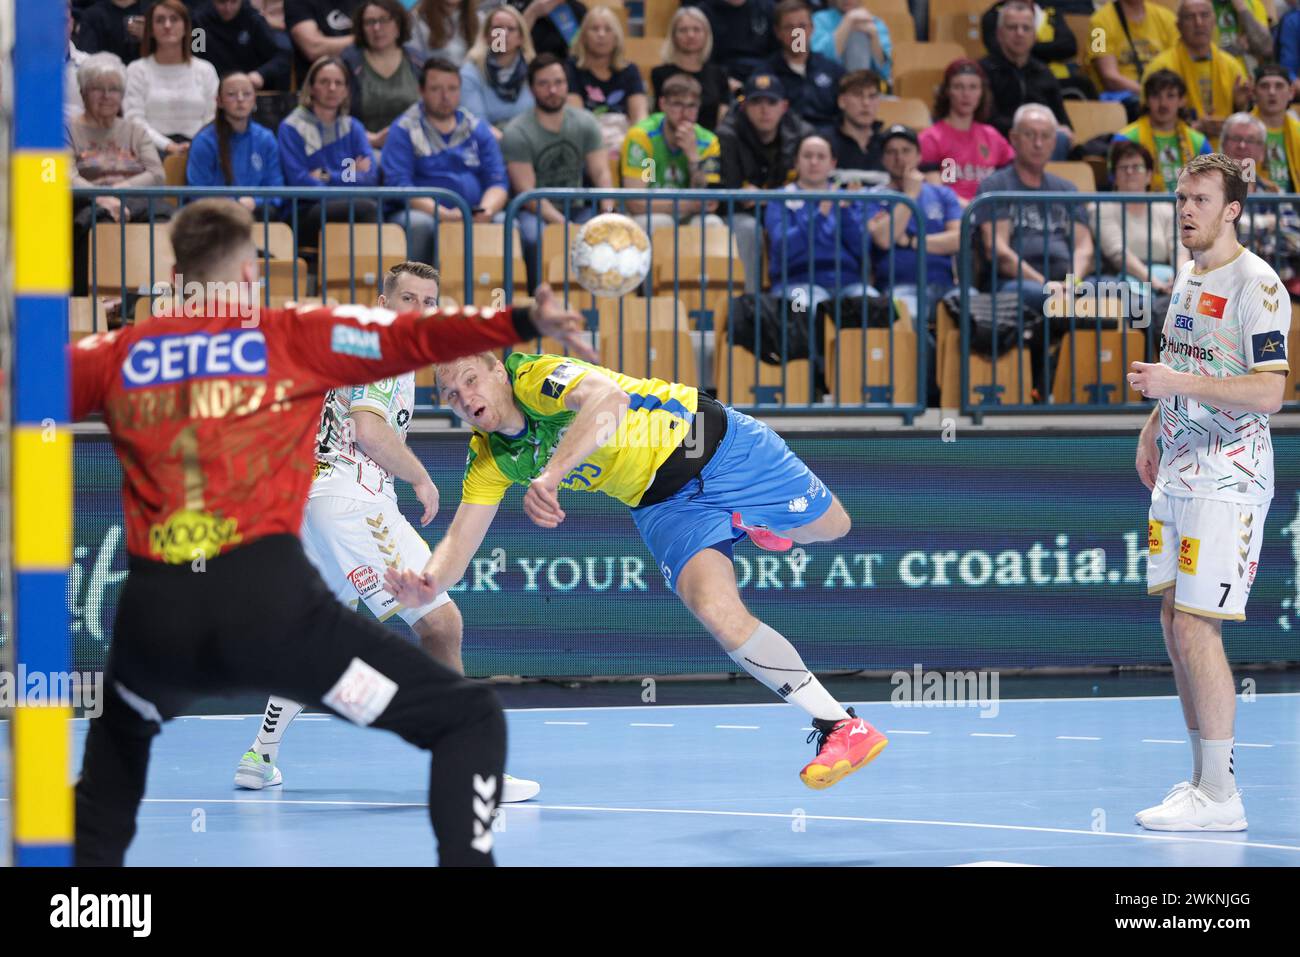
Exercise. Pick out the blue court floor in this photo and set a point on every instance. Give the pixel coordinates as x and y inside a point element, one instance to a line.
<point>1042,782</point>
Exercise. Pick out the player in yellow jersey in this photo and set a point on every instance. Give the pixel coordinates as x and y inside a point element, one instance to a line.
<point>698,476</point>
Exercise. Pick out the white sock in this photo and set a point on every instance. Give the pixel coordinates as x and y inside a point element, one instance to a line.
<point>279,712</point>
<point>1218,779</point>
<point>770,658</point>
<point>1195,736</point>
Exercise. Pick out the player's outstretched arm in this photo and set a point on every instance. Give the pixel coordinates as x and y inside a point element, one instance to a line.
<point>347,344</point>
<point>385,447</point>
<point>601,406</point>
<point>1252,392</point>
<point>447,564</point>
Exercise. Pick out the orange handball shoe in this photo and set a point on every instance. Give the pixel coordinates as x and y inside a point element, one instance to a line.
<point>842,748</point>
<point>762,537</point>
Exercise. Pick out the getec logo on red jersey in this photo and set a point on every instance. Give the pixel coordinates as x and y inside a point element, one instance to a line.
<point>161,360</point>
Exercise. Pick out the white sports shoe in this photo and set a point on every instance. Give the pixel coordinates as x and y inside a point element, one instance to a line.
<point>255,773</point>
<point>1192,810</point>
<point>1174,793</point>
<point>513,790</point>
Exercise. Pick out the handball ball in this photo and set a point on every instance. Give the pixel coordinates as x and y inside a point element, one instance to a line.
<point>610,255</point>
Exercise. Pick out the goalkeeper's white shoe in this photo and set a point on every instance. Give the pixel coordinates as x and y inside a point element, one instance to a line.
<point>513,790</point>
<point>255,772</point>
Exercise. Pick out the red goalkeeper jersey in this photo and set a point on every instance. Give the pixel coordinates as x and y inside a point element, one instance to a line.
<point>214,422</point>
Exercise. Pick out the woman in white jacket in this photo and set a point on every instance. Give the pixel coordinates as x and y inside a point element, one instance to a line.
<point>171,91</point>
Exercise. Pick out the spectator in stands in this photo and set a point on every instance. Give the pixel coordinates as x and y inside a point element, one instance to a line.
<point>1054,44</point>
<point>1137,239</point>
<point>168,89</point>
<point>72,59</point>
<point>602,81</point>
<point>1016,77</point>
<point>1162,130</point>
<point>961,150</point>
<point>494,85</point>
<point>743,36</point>
<point>1272,230</point>
<point>318,28</point>
<point>233,150</point>
<point>1132,34</point>
<point>437,144</point>
<point>107,150</point>
<point>273,12</point>
<point>857,142</point>
<point>237,39</point>
<point>445,28</point>
<point>1282,155</point>
<point>687,50</point>
<point>853,37</point>
<point>669,150</point>
<point>112,26</point>
<point>552,24</point>
<point>759,142</point>
<point>550,147</point>
<point>383,67</point>
<point>815,249</point>
<point>1216,82</point>
<point>1032,249</point>
<point>1241,28</point>
<point>322,145</point>
<point>1288,44</point>
<point>811,81</point>
<point>893,227</point>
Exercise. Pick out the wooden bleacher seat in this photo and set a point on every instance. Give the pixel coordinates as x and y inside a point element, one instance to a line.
<point>1077,172</point>
<point>489,269</point>
<point>1090,118</point>
<point>121,259</point>
<point>1013,377</point>
<point>648,339</point>
<point>1091,366</point>
<point>355,257</point>
<point>861,367</point>
<point>739,383</point>
<point>919,83</point>
<point>909,111</point>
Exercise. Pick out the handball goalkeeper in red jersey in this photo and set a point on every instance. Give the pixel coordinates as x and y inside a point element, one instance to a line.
<point>213,419</point>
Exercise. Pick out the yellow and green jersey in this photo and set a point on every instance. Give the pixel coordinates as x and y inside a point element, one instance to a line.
<point>657,421</point>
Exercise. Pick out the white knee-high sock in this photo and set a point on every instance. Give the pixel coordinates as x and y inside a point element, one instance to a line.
<point>1218,778</point>
<point>770,658</point>
<point>279,712</point>
<point>1196,756</point>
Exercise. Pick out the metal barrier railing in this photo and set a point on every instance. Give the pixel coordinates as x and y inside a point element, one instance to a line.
<point>386,206</point>
<point>1081,338</point>
<point>872,379</point>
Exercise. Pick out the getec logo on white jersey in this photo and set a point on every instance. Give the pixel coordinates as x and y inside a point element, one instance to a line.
<point>161,360</point>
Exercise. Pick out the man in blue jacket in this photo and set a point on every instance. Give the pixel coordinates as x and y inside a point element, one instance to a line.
<point>437,144</point>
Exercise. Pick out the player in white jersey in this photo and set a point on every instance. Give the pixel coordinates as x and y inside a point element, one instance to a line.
<point>352,527</point>
<point>1222,372</point>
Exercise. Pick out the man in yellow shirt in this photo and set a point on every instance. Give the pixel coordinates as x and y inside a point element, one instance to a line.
<point>1217,82</point>
<point>1133,33</point>
<point>1241,28</point>
<point>698,477</point>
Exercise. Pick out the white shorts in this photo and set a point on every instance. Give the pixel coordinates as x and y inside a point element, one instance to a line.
<point>350,542</point>
<point>1206,550</point>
